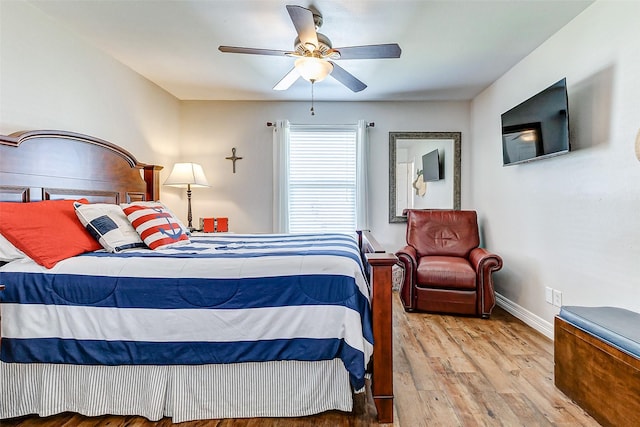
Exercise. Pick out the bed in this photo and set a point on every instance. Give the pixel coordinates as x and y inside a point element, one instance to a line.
<point>225,326</point>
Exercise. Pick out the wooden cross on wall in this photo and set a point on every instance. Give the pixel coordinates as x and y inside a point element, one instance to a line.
<point>233,158</point>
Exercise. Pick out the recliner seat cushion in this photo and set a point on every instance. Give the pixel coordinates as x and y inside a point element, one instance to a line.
<point>445,272</point>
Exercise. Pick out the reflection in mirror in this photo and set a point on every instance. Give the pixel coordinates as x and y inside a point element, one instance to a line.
<point>424,172</point>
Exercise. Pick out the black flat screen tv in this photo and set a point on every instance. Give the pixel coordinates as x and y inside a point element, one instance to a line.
<point>538,127</point>
<point>431,166</point>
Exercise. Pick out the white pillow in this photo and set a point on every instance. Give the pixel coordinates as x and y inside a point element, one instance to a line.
<point>109,225</point>
<point>156,225</point>
<point>8,252</point>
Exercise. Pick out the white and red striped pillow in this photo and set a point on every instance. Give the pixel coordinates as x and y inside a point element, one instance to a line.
<point>156,225</point>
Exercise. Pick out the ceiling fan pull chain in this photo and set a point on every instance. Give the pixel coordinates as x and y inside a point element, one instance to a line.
<point>313,113</point>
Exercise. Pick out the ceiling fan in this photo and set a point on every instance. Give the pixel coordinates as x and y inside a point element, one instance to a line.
<point>315,54</point>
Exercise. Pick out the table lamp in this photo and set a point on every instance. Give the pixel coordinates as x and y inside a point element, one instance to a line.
<point>187,175</point>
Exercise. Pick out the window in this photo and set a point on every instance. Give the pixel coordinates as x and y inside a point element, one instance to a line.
<point>320,179</point>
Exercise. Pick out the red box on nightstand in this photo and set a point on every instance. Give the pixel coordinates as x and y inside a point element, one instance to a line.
<point>215,225</point>
<point>221,225</point>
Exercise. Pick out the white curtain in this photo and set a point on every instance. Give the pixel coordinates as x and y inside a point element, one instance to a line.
<point>281,176</point>
<point>362,153</point>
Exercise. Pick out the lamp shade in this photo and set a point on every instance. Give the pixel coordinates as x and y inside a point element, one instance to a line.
<point>313,69</point>
<point>187,175</point>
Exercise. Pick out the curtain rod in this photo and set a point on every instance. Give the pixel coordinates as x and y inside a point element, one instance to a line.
<point>369,125</point>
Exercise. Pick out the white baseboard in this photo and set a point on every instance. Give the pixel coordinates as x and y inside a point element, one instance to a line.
<point>536,322</point>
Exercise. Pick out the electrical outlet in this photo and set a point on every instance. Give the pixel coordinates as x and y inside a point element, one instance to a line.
<point>557,298</point>
<point>548,295</point>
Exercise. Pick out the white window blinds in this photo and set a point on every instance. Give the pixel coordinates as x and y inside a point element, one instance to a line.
<point>322,179</point>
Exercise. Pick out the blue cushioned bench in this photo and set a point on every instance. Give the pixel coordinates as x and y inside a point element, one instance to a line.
<point>597,361</point>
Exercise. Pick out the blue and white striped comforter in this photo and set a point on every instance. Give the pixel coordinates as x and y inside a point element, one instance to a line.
<point>222,299</point>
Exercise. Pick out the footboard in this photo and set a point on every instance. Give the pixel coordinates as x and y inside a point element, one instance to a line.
<point>379,265</point>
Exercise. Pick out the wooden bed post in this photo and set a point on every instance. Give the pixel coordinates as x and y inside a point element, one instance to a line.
<point>381,306</point>
<point>381,264</point>
<point>152,178</point>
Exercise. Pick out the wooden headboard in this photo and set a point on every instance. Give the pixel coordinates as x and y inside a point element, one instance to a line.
<point>44,164</point>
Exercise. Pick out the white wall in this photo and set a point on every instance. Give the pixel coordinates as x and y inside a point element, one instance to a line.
<point>211,129</point>
<point>52,79</point>
<point>570,222</point>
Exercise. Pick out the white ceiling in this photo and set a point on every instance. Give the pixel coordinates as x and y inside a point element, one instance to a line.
<point>451,50</point>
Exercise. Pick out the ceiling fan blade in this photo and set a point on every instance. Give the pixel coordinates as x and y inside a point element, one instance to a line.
<point>346,78</point>
<point>253,51</point>
<point>374,51</point>
<point>289,79</point>
<point>305,26</point>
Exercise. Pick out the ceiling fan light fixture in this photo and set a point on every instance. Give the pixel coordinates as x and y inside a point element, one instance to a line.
<point>313,69</point>
<point>315,52</point>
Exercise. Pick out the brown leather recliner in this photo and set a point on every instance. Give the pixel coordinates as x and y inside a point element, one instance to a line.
<point>445,270</point>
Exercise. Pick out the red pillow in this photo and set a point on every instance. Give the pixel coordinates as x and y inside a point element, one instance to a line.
<point>47,231</point>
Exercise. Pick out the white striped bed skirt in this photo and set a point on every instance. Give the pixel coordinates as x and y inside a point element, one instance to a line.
<point>184,393</point>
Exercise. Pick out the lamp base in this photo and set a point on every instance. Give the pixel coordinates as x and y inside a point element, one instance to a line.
<point>189,216</point>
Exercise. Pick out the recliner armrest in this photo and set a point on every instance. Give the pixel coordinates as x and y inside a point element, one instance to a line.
<point>408,258</point>
<point>482,259</point>
<point>410,253</point>
<point>485,263</point>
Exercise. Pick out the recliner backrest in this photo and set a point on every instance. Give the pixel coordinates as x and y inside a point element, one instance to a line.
<point>442,232</point>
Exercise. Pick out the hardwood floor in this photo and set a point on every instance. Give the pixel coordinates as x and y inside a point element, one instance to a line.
<point>448,371</point>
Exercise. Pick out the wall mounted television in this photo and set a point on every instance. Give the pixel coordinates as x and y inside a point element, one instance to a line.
<point>431,166</point>
<point>538,127</point>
